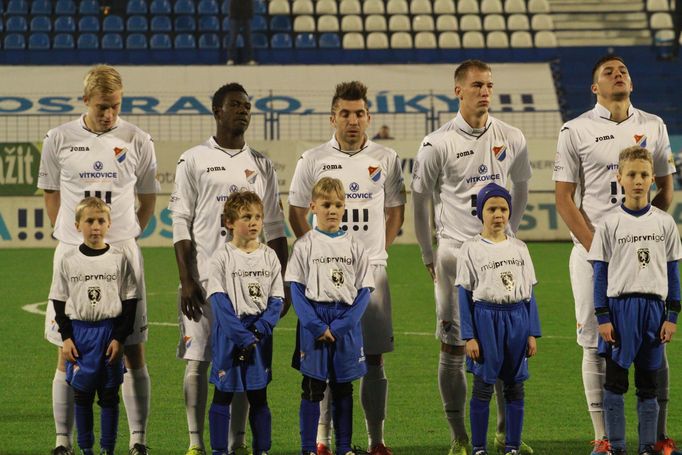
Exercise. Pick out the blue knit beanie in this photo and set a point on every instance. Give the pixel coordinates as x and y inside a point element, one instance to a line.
<point>488,191</point>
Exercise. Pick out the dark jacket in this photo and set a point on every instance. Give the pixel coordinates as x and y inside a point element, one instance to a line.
<point>241,9</point>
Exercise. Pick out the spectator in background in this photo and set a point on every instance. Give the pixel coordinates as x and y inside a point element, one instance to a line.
<point>384,133</point>
<point>241,12</point>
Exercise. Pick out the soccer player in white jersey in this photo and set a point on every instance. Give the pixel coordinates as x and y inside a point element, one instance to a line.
<point>101,155</point>
<point>375,207</point>
<point>635,253</point>
<point>204,178</point>
<point>452,165</point>
<point>585,171</point>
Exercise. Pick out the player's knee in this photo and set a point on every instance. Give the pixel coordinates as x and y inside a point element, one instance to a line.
<point>83,398</point>
<point>108,398</point>
<point>646,382</point>
<point>313,389</point>
<point>452,349</point>
<point>257,397</point>
<point>223,398</point>
<point>616,378</point>
<point>482,390</point>
<point>514,392</point>
<point>134,356</point>
<point>341,389</point>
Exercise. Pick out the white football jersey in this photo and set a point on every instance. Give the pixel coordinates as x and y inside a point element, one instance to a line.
<point>248,279</point>
<point>205,177</point>
<point>637,249</point>
<point>455,162</point>
<point>331,268</point>
<point>496,272</point>
<point>113,166</point>
<point>588,150</point>
<point>93,287</point>
<point>372,179</point>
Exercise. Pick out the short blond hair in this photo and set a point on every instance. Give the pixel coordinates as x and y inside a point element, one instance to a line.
<point>463,69</point>
<point>634,153</point>
<point>92,203</point>
<point>239,201</point>
<point>326,186</point>
<point>102,79</point>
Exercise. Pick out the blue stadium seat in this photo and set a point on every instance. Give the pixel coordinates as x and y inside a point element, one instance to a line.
<point>184,7</point>
<point>137,24</point>
<point>65,24</point>
<point>88,7</point>
<point>185,41</point>
<point>112,23</point>
<point>88,41</point>
<point>63,41</point>
<point>225,7</point>
<point>207,7</point>
<point>209,24</point>
<point>136,7</point>
<point>185,24</point>
<point>16,24</point>
<point>330,41</point>
<point>17,7</point>
<point>281,41</point>
<point>226,25</point>
<point>88,24</point>
<point>1,24</point>
<point>259,7</point>
<point>136,41</point>
<point>41,7</point>
<point>65,8</point>
<point>41,24</point>
<point>160,7</point>
<point>39,41</point>
<point>2,7</point>
<point>209,41</point>
<point>161,24</point>
<point>160,41</point>
<point>258,40</point>
<point>305,41</point>
<point>15,41</point>
<point>259,24</point>
<point>112,41</point>
<point>280,23</point>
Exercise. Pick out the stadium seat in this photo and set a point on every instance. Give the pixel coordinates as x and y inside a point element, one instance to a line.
<point>329,40</point>
<point>112,23</point>
<point>326,7</point>
<point>40,24</point>
<point>14,41</point>
<point>258,24</point>
<point>542,22</point>
<point>302,7</point>
<point>473,40</point>
<point>185,24</point>
<point>88,24</point>
<point>161,24</point>
<point>305,41</point>
<point>259,7</point>
<point>41,7</point>
<point>184,7</point>
<point>185,41</point>
<point>88,41</point>
<point>65,8</point>
<point>353,41</point>
<point>423,23</point>
<point>660,21</point>
<point>446,23</point>
<point>259,40</point>
<point>1,26</point>
<point>160,7</point>
<point>160,41</point>
<point>444,7</point>
<point>64,24</point>
<point>209,41</point>
<point>373,7</point>
<point>375,23</point>
<point>449,40</point>
<point>538,6</point>
<point>497,40</point>
<point>515,6</point>
<point>63,41</point>
<point>328,23</point>
<point>397,23</point>
<point>137,24</point>
<point>136,7</point>
<point>425,40</point>
<point>350,7</point>
<point>657,5</point>
<point>278,7</point>
<point>88,7</point>
<point>518,22</point>
<point>136,41</point>
<point>209,24</point>
<point>545,38</point>
<point>377,40</point>
<point>304,24</point>
<point>467,7</point>
<point>112,41</point>
<point>280,41</point>
<point>39,41</point>
<point>492,22</point>
<point>17,7</point>
<point>16,24</point>
<point>401,40</point>
<point>397,7</point>
<point>280,24</point>
<point>352,23</point>
<point>521,39</point>
<point>470,22</point>
<point>491,7</point>
<point>420,7</point>
<point>206,7</point>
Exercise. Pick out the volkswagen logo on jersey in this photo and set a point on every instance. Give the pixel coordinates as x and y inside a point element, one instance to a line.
<point>354,187</point>
<point>640,139</point>
<point>94,294</point>
<point>500,152</point>
<point>643,257</point>
<point>482,169</point>
<point>374,173</point>
<point>250,176</point>
<point>98,166</point>
<point>120,154</point>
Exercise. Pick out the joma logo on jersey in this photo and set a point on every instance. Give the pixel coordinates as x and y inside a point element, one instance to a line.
<point>640,139</point>
<point>215,169</point>
<point>331,167</point>
<point>79,148</point>
<point>608,137</point>
<point>465,153</point>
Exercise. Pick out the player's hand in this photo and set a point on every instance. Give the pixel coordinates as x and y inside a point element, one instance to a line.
<point>69,350</point>
<point>286,304</point>
<point>243,355</point>
<point>472,350</point>
<point>532,347</point>
<point>327,337</point>
<point>192,300</point>
<point>114,352</point>
<point>607,333</point>
<point>667,331</point>
<point>432,271</point>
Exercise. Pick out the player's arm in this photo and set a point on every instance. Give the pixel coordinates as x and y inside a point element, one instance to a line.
<point>563,193</point>
<point>305,311</point>
<point>146,209</point>
<point>664,192</point>
<point>298,219</point>
<point>282,251</point>
<point>350,318</point>
<point>395,216</point>
<point>601,304</point>
<point>672,302</point>
<point>519,194</point>
<point>52,203</point>
<point>421,203</point>
<point>65,330</point>
<point>191,297</point>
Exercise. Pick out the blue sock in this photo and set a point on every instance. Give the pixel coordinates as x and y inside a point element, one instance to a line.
<point>479,411</point>
<point>84,425</point>
<point>109,430</point>
<point>218,424</point>
<point>614,417</point>
<point>342,415</point>
<point>647,412</point>
<point>309,417</point>
<point>514,414</point>
<point>261,427</point>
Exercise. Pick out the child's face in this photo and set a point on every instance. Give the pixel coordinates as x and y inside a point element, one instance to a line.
<point>636,177</point>
<point>329,210</point>
<point>495,214</point>
<point>94,224</point>
<point>248,224</point>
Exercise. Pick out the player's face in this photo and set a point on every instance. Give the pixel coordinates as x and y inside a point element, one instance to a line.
<point>613,82</point>
<point>475,92</point>
<point>350,120</point>
<point>495,215</point>
<point>248,225</point>
<point>636,177</point>
<point>329,212</point>
<point>94,224</point>
<point>103,110</point>
<point>234,115</point>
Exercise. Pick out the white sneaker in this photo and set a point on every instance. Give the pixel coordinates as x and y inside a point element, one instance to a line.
<point>230,62</point>
<point>252,62</point>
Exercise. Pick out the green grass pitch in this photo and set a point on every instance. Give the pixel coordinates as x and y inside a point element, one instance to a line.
<point>556,422</point>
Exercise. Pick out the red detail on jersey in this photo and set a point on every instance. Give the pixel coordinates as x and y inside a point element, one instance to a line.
<point>500,152</point>
<point>120,154</point>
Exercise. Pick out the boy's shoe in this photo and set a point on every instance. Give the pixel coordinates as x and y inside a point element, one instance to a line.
<point>87,452</point>
<point>241,450</point>
<point>618,452</point>
<point>106,452</point>
<point>480,452</point>
<point>61,450</point>
<point>322,449</point>
<point>500,445</point>
<point>512,452</point>
<point>380,449</point>
<point>460,448</point>
<point>600,446</point>
<point>195,450</point>
<point>138,449</point>
<point>667,447</point>
<point>649,450</point>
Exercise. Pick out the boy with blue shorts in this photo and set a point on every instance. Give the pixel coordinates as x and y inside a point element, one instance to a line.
<point>330,281</point>
<point>95,298</point>
<point>246,294</point>
<point>636,297</point>
<point>499,316</point>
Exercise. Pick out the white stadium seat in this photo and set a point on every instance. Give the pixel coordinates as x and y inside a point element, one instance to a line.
<point>397,7</point>
<point>514,6</point>
<point>327,23</point>
<point>375,23</point>
<point>446,23</point>
<point>377,40</point>
<point>542,22</point>
<point>473,40</point>
<point>326,7</point>
<point>470,22</point>
<point>373,7</point>
<point>399,23</point>
<point>353,41</point>
<point>449,40</point>
<point>444,7</point>
<point>276,7</point>
<point>497,40</point>
<point>493,22</point>
<point>521,39</point>
<point>423,23</point>
<point>401,40</point>
<point>420,7</point>
<point>545,38</point>
<point>657,5</point>
<point>661,21</point>
<point>467,7</point>
<point>350,7</point>
<point>518,22</point>
<point>425,40</point>
<point>304,24</point>
<point>302,7</point>
<point>351,23</point>
<point>491,7</point>
<point>538,6</point>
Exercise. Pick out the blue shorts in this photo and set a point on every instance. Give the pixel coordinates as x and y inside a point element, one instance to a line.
<point>637,320</point>
<point>341,361</point>
<point>92,370</point>
<point>230,375</point>
<point>502,331</point>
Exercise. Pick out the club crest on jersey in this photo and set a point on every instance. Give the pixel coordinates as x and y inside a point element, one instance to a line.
<point>250,176</point>
<point>337,277</point>
<point>255,292</point>
<point>640,139</point>
<point>221,374</point>
<point>120,154</point>
<point>94,294</point>
<point>374,173</point>
<point>500,152</point>
<point>188,341</point>
<point>643,257</point>
<point>507,280</point>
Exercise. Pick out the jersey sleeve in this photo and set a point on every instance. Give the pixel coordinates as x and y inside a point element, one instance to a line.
<point>566,160</point>
<point>273,225</point>
<point>520,170</point>
<point>276,287</point>
<point>49,173</point>
<point>466,273</point>
<point>394,187</point>
<point>297,267</point>
<point>147,168</point>
<point>128,289</point>
<point>364,278</point>
<point>216,273</point>
<point>664,164</point>
<point>672,241</point>
<point>60,287</point>
<point>427,167</point>
<point>529,265</point>
<point>301,184</point>
<point>600,249</point>
<point>183,199</point>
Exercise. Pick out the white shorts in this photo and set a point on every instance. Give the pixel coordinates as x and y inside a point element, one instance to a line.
<point>195,336</point>
<point>447,303</point>
<point>582,283</point>
<point>132,252</point>
<point>377,324</point>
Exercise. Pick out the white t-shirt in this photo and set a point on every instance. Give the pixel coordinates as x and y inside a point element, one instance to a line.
<point>113,166</point>
<point>496,272</point>
<point>637,249</point>
<point>332,269</point>
<point>455,162</point>
<point>372,179</point>
<point>588,150</point>
<point>248,279</point>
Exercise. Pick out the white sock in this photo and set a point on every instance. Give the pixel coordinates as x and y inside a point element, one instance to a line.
<point>594,374</point>
<point>499,398</point>
<point>324,426</point>
<point>62,409</point>
<point>195,386</point>
<point>136,393</point>
<point>662,396</point>
<point>452,383</point>
<point>239,415</point>
<point>373,396</point>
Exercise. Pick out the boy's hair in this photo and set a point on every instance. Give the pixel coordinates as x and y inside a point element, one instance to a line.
<point>328,185</point>
<point>350,91</point>
<point>221,93</point>
<point>92,203</point>
<point>102,79</point>
<point>601,61</point>
<point>239,201</point>
<point>634,153</point>
<point>464,67</point>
